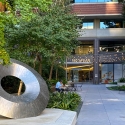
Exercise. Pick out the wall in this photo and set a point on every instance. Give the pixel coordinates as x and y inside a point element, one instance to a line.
<point>97,8</point>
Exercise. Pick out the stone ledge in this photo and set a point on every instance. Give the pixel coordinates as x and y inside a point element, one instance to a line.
<point>110,85</point>
<point>47,117</point>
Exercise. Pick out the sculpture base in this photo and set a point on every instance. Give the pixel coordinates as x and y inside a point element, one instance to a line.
<point>47,117</point>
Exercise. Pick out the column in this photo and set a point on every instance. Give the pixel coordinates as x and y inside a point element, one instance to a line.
<point>96,62</point>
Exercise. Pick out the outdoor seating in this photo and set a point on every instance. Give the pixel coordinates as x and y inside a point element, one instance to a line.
<point>79,86</point>
<point>70,86</point>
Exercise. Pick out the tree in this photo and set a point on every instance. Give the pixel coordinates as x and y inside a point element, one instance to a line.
<point>52,35</point>
<point>123,7</point>
<point>25,12</point>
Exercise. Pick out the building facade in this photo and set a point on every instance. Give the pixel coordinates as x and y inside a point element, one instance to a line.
<point>100,55</point>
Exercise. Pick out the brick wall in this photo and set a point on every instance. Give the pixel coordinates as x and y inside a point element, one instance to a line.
<point>107,8</point>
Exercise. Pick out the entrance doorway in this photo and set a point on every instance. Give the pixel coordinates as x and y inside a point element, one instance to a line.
<point>86,74</point>
<point>82,74</point>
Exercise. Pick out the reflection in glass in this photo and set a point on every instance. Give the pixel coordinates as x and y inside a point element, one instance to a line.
<point>117,72</point>
<point>111,24</point>
<point>87,25</point>
<point>107,73</point>
<point>84,49</point>
<point>78,1</point>
<point>92,1</point>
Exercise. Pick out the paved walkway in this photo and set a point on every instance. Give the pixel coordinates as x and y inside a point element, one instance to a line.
<point>101,106</point>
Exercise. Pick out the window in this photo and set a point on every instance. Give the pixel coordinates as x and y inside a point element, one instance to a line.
<point>113,23</point>
<point>88,24</point>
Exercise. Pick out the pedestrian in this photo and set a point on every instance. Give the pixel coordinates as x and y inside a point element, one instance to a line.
<point>59,86</point>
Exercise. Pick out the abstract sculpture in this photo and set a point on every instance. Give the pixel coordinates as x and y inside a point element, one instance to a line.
<point>35,98</point>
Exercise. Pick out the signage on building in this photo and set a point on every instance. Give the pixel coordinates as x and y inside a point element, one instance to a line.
<point>81,60</point>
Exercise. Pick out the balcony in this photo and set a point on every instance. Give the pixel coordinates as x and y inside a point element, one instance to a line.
<point>102,33</point>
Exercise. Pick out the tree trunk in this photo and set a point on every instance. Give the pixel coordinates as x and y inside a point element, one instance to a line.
<point>38,58</point>
<point>56,73</point>
<point>40,68</point>
<point>51,70</point>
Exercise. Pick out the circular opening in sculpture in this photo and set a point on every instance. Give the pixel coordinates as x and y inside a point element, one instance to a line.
<point>13,85</point>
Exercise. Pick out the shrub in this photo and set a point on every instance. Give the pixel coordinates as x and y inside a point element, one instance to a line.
<point>67,101</point>
<point>113,83</point>
<point>122,79</point>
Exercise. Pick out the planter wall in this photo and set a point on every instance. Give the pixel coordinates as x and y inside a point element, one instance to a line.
<point>121,83</point>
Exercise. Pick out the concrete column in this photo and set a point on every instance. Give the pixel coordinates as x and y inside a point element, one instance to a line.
<point>96,23</point>
<point>96,62</point>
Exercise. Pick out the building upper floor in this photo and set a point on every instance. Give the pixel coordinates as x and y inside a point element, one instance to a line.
<point>93,1</point>
<point>88,9</point>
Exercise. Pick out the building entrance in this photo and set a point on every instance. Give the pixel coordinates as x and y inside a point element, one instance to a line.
<point>82,74</point>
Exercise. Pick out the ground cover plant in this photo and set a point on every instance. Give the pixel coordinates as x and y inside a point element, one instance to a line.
<point>121,88</point>
<point>67,101</point>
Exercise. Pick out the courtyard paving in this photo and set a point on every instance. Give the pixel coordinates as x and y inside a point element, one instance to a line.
<point>101,106</point>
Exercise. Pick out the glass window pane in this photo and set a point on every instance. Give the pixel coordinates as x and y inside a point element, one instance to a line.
<point>90,25</point>
<point>117,71</point>
<point>107,73</point>
<point>78,1</point>
<point>102,26</point>
<point>85,26</point>
<point>85,1</point>
<point>92,1</point>
<point>101,0</point>
<point>124,70</point>
<point>111,23</point>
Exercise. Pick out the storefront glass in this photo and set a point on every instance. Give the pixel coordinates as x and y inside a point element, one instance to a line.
<point>112,72</point>
<point>117,72</point>
<point>107,73</point>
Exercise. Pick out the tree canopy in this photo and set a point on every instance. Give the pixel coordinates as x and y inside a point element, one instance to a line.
<point>123,7</point>
<point>16,10</point>
<point>52,34</point>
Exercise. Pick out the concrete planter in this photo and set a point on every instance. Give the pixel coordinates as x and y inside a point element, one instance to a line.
<point>121,83</point>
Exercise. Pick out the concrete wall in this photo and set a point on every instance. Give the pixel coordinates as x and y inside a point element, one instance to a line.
<point>105,33</point>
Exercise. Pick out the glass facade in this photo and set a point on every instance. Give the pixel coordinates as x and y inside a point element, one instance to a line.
<point>107,73</point>
<point>111,23</point>
<point>84,50</point>
<point>94,1</point>
<point>87,24</point>
<point>112,46</point>
<point>112,72</point>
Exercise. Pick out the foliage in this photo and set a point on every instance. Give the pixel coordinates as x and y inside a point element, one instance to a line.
<point>121,88</point>
<point>25,9</point>
<point>113,88</point>
<point>67,101</point>
<point>123,7</point>
<point>53,35</point>
<point>113,83</point>
<point>121,80</point>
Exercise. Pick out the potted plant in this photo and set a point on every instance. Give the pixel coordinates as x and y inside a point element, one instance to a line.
<point>121,81</point>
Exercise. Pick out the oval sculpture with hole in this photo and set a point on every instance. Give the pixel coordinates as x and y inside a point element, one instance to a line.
<point>35,97</point>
